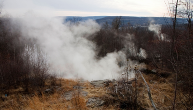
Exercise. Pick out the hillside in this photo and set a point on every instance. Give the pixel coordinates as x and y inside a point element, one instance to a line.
<point>70,94</point>
<point>142,21</point>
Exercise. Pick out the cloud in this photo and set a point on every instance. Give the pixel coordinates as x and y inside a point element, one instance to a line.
<point>99,7</point>
<point>18,8</point>
<point>81,13</point>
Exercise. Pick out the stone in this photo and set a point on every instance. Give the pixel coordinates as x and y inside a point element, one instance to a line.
<point>59,89</point>
<point>69,95</point>
<point>49,91</point>
<point>113,80</point>
<point>106,82</point>
<point>84,93</point>
<point>154,71</point>
<point>81,81</point>
<point>97,83</point>
<point>102,83</point>
<point>78,87</point>
<point>94,102</point>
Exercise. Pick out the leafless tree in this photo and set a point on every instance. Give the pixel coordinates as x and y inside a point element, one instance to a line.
<point>116,23</point>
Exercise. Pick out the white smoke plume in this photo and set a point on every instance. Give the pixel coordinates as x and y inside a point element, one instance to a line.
<point>129,65</point>
<point>67,49</point>
<point>142,53</point>
<point>157,29</point>
<point>130,48</point>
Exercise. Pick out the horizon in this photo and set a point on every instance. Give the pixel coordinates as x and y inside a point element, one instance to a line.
<point>112,16</point>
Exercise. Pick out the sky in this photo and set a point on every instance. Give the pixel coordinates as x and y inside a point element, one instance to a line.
<point>145,8</point>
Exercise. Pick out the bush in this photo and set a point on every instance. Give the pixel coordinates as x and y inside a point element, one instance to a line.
<point>18,65</point>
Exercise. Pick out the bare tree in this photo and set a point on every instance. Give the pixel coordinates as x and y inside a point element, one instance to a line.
<point>181,48</point>
<point>116,23</point>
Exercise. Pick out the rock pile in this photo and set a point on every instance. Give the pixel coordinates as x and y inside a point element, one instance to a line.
<point>94,102</point>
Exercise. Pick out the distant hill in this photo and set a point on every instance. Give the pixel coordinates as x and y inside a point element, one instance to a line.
<point>67,18</point>
<point>142,21</point>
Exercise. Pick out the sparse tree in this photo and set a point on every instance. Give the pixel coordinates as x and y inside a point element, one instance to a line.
<point>116,23</point>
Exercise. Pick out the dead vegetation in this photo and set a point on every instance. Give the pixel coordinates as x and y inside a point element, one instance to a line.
<point>27,85</point>
<point>49,101</point>
<point>117,95</point>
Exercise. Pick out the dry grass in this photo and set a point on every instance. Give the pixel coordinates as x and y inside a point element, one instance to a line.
<point>67,84</point>
<point>54,101</point>
<point>79,102</point>
<point>162,92</point>
<point>45,102</point>
<point>161,89</point>
<point>94,91</point>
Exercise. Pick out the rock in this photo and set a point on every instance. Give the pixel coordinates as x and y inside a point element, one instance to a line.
<point>84,93</point>
<point>106,82</point>
<point>78,87</point>
<point>151,81</point>
<point>113,80</point>
<point>154,71</point>
<point>94,102</point>
<point>49,91</point>
<point>59,89</point>
<point>97,83</point>
<point>69,95</point>
<point>148,71</point>
<point>101,83</point>
<point>81,81</point>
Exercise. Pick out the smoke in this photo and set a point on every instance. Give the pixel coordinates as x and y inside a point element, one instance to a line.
<point>131,48</point>
<point>157,29</point>
<point>68,52</point>
<point>142,53</point>
<point>124,59</point>
<point>129,65</point>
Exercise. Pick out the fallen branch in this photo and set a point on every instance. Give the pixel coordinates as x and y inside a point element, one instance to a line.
<point>149,92</point>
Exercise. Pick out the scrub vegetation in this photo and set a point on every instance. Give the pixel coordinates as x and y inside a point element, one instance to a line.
<point>165,82</point>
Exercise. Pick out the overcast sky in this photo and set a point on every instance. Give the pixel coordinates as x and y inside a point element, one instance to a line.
<point>87,7</point>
